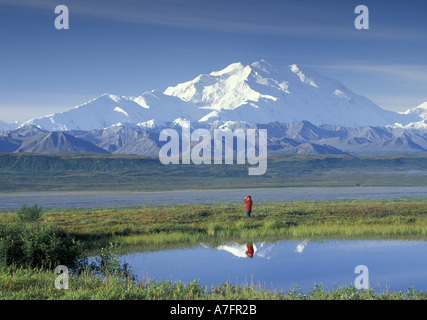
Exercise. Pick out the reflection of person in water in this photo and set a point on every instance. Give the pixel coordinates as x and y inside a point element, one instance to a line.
<point>250,251</point>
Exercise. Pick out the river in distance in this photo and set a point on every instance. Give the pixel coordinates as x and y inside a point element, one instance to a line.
<point>124,199</point>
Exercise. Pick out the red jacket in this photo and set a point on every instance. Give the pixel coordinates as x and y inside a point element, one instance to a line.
<point>248,203</point>
<point>250,251</point>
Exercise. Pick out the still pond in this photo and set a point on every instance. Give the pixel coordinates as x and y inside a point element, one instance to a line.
<point>391,264</point>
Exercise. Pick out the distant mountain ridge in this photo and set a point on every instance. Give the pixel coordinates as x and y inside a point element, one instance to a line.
<point>33,140</point>
<point>4,126</point>
<point>285,138</point>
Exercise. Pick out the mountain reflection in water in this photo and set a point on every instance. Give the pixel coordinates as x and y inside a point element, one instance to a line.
<point>282,265</point>
<point>261,250</point>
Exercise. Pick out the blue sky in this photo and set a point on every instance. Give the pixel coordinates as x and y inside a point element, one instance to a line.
<point>128,47</point>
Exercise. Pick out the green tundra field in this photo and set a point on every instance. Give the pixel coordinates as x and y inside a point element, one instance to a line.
<point>31,172</point>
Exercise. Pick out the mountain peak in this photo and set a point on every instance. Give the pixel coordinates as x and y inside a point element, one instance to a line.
<point>264,66</point>
<point>232,68</point>
<point>110,96</point>
<point>248,94</point>
<point>4,126</point>
<point>420,112</point>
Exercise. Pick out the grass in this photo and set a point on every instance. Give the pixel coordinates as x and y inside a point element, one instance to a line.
<point>38,284</point>
<point>153,227</point>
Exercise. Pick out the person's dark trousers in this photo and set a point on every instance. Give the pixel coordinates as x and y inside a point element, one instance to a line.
<point>248,213</point>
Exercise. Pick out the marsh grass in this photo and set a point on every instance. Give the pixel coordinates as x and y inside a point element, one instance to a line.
<point>38,284</point>
<point>148,227</point>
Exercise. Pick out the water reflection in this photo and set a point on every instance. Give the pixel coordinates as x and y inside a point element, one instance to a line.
<point>250,252</point>
<point>282,265</point>
<point>300,247</point>
<point>240,251</point>
<point>261,250</point>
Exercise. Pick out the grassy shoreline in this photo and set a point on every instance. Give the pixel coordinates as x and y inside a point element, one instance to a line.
<point>149,227</point>
<point>146,228</point>
<point>38,284</point>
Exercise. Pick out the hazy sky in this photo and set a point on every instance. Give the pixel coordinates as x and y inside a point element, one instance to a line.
<point>128,47</point>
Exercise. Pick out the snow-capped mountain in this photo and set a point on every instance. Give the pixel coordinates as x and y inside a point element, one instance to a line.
<point>4,126</point>
<point>421,112</point>
<point>261,93</point>
<point>152,109</point>
<point>239,94</point>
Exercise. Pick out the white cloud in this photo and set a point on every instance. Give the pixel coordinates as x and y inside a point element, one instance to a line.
<point>413,73</point>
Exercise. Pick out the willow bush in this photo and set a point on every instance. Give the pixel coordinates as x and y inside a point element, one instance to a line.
<point>29,243</point>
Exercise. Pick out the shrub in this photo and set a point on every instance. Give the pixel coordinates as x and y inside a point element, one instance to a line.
<point>29,214</point>
<point>27,242</point>
<point>108,263</point>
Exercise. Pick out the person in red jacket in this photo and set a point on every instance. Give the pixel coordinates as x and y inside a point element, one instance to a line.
<point>248,207</point>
